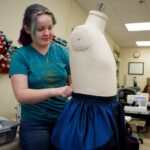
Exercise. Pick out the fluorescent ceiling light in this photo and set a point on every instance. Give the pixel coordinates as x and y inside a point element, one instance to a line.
<point>138,26</point>
<point>143,43</point>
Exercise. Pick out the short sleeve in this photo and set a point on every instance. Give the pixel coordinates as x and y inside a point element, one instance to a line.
<point>18,63</point>
<point>66,60</point>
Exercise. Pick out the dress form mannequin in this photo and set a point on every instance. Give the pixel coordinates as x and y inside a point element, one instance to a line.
<point>92,62</point>
<point>93,119</point>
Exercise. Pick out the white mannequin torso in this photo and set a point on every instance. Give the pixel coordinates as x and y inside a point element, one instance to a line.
<point>93,66</point>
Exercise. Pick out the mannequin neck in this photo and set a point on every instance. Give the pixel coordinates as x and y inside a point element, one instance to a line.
<point>98,19</point>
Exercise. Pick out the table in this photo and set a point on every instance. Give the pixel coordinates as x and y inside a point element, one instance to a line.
<point>144,116</point>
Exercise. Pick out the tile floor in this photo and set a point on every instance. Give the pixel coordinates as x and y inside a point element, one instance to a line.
<point>146,139</point>
<point>145,145</point>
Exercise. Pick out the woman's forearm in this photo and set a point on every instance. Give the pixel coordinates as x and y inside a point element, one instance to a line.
<point>32,96</point>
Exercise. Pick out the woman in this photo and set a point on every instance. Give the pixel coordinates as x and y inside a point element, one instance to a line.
<point>147,90</point>
<point>40,77</point>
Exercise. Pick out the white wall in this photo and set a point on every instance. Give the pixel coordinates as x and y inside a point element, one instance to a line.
<point>68,14</point>
<point>126,57</point>
<point>7,99</point>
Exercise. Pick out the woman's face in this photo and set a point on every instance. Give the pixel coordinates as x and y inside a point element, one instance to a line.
<point>41,30</point>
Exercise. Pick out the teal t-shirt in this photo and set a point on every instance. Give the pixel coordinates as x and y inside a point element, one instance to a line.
<point>43,71</point>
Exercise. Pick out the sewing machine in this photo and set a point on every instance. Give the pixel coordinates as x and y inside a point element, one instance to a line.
<point>140,102</point>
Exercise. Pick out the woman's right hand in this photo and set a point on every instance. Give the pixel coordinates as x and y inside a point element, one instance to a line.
<point>65,91</point>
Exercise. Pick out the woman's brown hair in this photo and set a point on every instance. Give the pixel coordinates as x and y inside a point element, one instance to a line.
<point>32,10</point>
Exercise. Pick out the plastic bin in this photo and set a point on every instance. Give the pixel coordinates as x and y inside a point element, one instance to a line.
<point>8,130</point>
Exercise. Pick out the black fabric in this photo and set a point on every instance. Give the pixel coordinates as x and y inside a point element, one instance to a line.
<point>132,143</point>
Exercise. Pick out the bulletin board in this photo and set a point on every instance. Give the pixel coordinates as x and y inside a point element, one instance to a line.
<point>136,68</point>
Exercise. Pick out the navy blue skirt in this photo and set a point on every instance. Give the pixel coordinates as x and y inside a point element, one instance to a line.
<point>90,123</point>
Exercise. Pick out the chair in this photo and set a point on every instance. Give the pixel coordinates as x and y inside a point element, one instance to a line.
<point>123,93</point>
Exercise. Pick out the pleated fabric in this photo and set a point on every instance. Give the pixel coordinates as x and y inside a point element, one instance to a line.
<point>90,123</point>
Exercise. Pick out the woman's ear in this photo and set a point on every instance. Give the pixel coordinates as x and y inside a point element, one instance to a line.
<point>27,29</point>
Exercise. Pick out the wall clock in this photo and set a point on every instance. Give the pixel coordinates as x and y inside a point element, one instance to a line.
<point>136,54</point>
